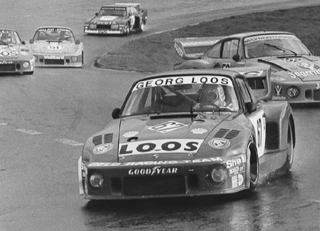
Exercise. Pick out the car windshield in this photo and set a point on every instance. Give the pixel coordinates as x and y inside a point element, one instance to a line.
<point>183,94</point>
<point>274,45</point>
<point>54,35</point>
<point>113,11</point>
<point>8,37</point>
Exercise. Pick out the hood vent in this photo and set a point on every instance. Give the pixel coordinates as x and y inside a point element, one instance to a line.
<point>226,133</point>
<point>97,140</point>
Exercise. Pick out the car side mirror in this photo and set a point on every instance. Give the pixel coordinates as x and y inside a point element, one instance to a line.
<point>31,41</point>
<point>236,57</point>
<point>77,42</point>
<point>250,106</point>
<point>116,113</point>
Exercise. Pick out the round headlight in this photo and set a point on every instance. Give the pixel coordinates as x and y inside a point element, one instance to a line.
<point>216,174</point>
<point>96,180</point>
<point>74,58</point>
<point>115,27</point>
<point>26,64</point>
<point>293,92</point>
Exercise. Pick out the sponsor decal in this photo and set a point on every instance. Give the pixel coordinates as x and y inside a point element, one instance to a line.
<point>178,49</point>
<point>239,160</point>
<point>108,18</point>
<point>236,170</point>
<point>252,73</point>
<point>54,47</point>
<point>5,62</point>
<point>277,79</point>
<point>278,97</point>
<point>53,57</point>
<point>8,53</point>
<point>171,81</point>
<point>53,29</point>
<point>268,37</point>
<point>303,74</point>
<point>309,66</point>
<point>219,143</point>
<point>199,131</point>
<point>157,170</point>
<point>160,146</point>
<point>237,180</point>
<point>103,148</point>
<point>167,126</point>
<point>293,92</point>
<point>130,134</point>
<point>144,163</point>
<point>278,89</point>
<point>291,59</point>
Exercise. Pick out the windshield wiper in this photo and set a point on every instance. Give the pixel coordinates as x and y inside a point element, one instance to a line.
<point>280,48</point>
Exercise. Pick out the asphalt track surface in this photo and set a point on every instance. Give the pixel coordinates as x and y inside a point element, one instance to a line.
<point>45,118</point>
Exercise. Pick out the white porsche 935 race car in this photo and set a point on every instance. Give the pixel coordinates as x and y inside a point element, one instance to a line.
<point>187,133</point>
<point>15,55</point>
<point>54,46</point>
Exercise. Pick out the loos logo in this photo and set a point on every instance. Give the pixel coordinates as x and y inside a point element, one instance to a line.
<point>153,171</point>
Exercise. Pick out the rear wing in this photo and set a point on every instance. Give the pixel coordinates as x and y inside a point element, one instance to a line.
<point>193,48</point>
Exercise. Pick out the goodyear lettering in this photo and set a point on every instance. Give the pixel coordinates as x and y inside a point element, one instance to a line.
<point>160,146</point>
<point>153,171</point>
<point>182,80</point>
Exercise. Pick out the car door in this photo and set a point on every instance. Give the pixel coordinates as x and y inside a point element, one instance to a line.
<point>257,116</point>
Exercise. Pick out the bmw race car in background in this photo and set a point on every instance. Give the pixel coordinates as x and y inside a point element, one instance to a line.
<point>55,46</point>
<point>15,55</point>
<point>188,133</point>
<point>120,18</point>
<point>295,70</point>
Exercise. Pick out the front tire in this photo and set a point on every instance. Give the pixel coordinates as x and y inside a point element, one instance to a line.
<point>253,166</point>
<point>290,150</point>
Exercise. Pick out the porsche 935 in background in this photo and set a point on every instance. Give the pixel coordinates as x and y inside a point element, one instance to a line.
<point>295,70</point>
<point>120,18</point>
<point>15,55</point>
<point>187,133</point>
<point>54,46</point>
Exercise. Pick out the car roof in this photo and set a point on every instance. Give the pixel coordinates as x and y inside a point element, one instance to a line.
<point>219,71</point>
<point>61,27</point>
<point>252,33</point>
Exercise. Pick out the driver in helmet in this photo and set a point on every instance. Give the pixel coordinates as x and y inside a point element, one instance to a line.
<point>212,96</point>
<point>6,38</point>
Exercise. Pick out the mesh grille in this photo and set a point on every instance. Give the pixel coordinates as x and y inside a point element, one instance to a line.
<point>7,67</point>
<point>104,27</point>
<point>54,61</point>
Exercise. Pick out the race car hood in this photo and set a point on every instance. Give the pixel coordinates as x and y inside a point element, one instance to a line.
<point>13,52</point>
<point>63,47</point>
<point>162,139</point>
<point>107,19</point>
<point>304,68</point>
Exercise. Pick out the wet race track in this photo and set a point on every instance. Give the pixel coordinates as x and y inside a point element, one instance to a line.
<point>45,118</point>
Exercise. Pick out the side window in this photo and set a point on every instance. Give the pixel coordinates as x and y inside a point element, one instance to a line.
<point>230,48</point>
<point>245,94</point>
<point>214,52</point>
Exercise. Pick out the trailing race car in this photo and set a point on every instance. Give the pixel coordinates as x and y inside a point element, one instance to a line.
<point>121,18</point>
<point>15,55</point>
<point>55,46</point>
<point>187,133</point>
<point>295,70</point>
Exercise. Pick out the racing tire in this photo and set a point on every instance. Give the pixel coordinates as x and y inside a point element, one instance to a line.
<point>290,150</point>
<point>127,30</point>
<point>253,166</point>
<point>142,27</point>
<point>82,57</point>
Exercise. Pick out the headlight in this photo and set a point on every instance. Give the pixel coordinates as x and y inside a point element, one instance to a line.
<point>96,180</point>
<point>115,27</point>
<point>26,64</point>
<point>216,174</point>
<point>293,92</point>
<point>92,26</point>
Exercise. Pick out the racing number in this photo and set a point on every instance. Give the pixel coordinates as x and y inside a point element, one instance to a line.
<point>318,86</point>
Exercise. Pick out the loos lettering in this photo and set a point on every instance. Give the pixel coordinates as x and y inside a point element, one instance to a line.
<point>160,146</point>
<point>153,171</point>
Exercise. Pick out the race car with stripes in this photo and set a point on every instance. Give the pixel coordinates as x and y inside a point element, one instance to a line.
<point>187,133</point>
<point>295,69</point>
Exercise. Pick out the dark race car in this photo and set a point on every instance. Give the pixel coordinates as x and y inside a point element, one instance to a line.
<point>187,133</point>
<point>121,18</point>
<point>15,55</point>
<point>295,70</point>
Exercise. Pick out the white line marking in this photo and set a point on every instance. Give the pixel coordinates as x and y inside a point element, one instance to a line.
<point>69,142</point>
<point>3,124</point>
<point>30,132</point>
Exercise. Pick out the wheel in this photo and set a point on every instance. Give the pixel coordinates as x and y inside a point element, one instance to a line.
<point>127,29</point>
<point>290,150</point>
<point>142,27</point>
<point>254,166</point>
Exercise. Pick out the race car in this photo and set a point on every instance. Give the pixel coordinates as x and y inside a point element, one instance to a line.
<point>120,18</point>
<point>188,133</point>
<point>295,70</point>
<point>15,55</point>
<point>56,46</point>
